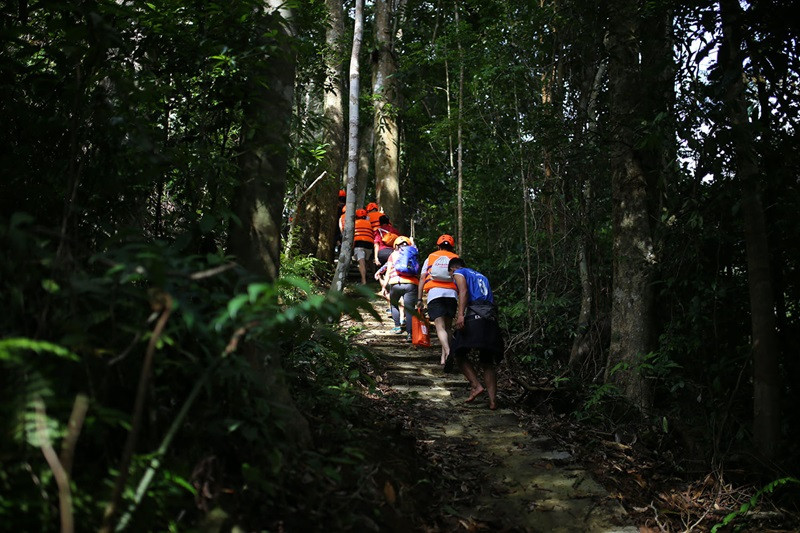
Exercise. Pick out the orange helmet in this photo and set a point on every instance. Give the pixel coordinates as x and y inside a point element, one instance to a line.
<point>402,240</point>
<point>446,238</point>
<point>342,194</point>
<point>360,213</point>
<point>372,206</point>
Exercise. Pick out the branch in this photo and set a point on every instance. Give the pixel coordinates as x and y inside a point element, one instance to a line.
<point>74,426</point>
<point>161,301</point>
<point>59,472</point>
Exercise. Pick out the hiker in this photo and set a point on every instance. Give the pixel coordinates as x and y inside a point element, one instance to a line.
<point>385,234</point>
<point>436,282</point>
<point>362,242</point>
<point>476,327</point>
<point>341,201</point>
<point>402,279</point>
<point>374,215</point>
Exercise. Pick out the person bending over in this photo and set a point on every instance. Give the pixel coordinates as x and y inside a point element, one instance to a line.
<point>476,328</point>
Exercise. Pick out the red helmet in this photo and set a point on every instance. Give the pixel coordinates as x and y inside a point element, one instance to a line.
<point>342,194</point>
<point>360,213</point>
<point>372,206</point>
<point>446,238</point>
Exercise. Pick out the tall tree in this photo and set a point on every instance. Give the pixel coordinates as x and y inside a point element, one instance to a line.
<point>765,345</point>
<point>259,200</point>
<point>386,105</point>
<point>633,255</point>
<point>352,151</point>
<point>314,227</point>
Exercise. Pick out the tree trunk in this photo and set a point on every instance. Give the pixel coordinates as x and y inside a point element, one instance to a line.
<point>259,200</point>
<point>352,153</point>
<point>578,352</point>
<point>314,227</point>
<point>633,256</point>
<point>365,153</point>
<point>459,144</point>
<point>387,137</point>
<point>765,348</point>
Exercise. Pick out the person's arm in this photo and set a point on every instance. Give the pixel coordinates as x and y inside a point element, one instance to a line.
<point>463,294</point>
<point>420,289</point>
<point>381,270</point>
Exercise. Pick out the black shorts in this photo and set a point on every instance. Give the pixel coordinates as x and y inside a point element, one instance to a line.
<point>482,335</point>
<point>443,306</point>
<point>383,255</point>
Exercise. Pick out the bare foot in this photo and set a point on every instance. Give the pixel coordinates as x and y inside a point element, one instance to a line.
<point>474,394</point>
<point>492,405</point>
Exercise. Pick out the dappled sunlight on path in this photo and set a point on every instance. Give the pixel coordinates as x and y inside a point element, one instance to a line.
<point>506,478</point>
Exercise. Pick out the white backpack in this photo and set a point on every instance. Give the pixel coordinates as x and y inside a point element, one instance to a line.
<point>438,270</point>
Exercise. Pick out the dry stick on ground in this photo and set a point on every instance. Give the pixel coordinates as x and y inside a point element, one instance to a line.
<point>161,301</point>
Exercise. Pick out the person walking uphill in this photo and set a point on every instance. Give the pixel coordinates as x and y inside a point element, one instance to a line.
<point>476,327</point>
<point>385,234</point>
<point>438,284</point>
<point>402,274</point>
<point>362,242</point>
<point>374,215</point>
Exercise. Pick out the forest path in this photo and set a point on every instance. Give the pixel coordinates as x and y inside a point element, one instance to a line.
<point>509,478</point>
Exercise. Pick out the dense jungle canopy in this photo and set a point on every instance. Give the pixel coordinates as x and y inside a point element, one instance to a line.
<point>624,172</point>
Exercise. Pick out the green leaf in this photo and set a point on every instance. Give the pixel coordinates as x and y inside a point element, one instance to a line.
<point>235,304</point>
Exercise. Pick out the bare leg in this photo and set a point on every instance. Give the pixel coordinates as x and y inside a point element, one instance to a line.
<point>490,378</point>
<point>443,333</point>
<point>476,389</point>
<point>362,269</point>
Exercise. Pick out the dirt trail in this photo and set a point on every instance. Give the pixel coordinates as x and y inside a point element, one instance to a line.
<point>510,479</point>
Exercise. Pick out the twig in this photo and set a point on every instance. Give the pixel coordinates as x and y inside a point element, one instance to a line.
<point>60,474</point>
<point>126,351</point>
<point>212,271</point>
<point>655,517</point>
<point>163,301</point>
<point>74,426</point>
<point>294,218</point>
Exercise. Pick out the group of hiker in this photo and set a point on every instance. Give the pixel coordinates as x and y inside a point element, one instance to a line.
<point>458,300</point>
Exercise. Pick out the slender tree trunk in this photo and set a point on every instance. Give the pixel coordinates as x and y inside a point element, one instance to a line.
<point>352,152</point>
<point>766,374</point>
<point>366,152</point>
<point>459,144</point>
<point>579,349</point>
<point>633,256</point>
<point>387,137</point>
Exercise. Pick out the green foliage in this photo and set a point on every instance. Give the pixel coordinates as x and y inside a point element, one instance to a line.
<point>769,488</point>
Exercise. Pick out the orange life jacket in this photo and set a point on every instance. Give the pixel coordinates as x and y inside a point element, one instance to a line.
<point>364,231</point>
<point>374,218</point>
<point>428,282</point>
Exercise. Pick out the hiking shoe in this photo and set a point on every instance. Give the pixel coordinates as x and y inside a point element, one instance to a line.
<point>397,330</point>
<point>408,337</point>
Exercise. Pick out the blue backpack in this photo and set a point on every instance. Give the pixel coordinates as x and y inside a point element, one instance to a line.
<point>407,262</point>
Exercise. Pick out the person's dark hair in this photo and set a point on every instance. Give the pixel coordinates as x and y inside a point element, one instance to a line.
<point>383,219</point>
<point>446,246</point>
<point>456,262</point>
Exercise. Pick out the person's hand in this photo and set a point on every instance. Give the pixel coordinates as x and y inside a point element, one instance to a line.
<point>377,263</point>
<point>377,276</point>
<point>459,322</point>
